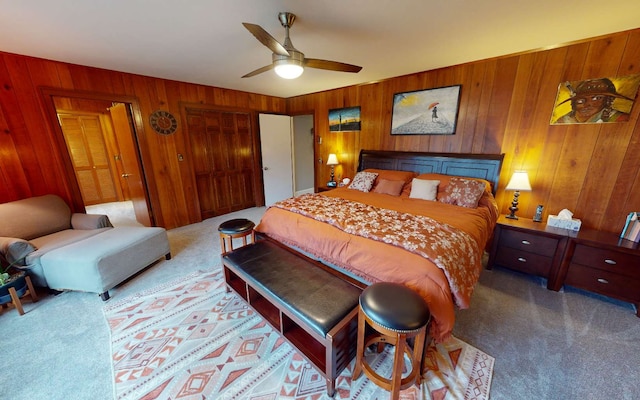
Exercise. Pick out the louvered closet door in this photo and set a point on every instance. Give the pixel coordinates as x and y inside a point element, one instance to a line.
<point>85,141</point>
<point>223,159</point>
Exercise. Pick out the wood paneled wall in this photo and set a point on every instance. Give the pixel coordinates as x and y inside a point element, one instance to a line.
<point>506,105</point>
<point>32,162</point>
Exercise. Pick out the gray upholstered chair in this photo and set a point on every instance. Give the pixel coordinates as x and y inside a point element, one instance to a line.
<point>65,251</point>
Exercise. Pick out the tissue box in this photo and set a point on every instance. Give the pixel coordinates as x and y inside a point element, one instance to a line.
<point>572,224</point>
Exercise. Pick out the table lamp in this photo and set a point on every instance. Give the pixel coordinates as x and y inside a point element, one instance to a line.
<point>519,181</point>
<point>332,161</point>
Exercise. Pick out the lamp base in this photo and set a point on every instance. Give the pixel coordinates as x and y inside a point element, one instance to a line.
<point>514,206</point>
<point>332,183</point>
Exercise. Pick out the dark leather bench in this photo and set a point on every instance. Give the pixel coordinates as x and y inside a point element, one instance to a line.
<point>311,305</point>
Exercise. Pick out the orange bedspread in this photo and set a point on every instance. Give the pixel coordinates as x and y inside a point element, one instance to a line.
<point>373,260</point>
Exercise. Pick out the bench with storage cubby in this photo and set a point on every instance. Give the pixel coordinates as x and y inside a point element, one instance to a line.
<point>311,305</point>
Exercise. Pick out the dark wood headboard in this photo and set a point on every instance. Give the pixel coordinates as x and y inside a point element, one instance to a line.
<point>485,166</point>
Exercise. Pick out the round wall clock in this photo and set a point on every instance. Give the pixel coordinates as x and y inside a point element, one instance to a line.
<point>163,122</point>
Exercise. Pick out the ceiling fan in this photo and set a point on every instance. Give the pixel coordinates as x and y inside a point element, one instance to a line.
<point>288,62</point>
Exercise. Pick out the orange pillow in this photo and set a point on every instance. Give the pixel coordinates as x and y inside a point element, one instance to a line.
<point>386,186</point>
<point>393,175</point>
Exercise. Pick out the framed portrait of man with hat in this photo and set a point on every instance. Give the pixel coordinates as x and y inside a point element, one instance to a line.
<point>592,101</point>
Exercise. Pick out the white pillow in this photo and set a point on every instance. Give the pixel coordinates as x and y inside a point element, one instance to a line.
<point>424,189</point>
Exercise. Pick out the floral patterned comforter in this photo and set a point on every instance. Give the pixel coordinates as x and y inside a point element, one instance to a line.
<point>452,250</point>
<point>375,237</point>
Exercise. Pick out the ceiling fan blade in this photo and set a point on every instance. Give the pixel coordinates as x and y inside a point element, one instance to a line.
<point>259,71</point>
<point>330,65</point>
<point>266,39</point>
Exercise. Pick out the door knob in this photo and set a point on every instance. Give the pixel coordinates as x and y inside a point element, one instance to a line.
<point>126,175</point>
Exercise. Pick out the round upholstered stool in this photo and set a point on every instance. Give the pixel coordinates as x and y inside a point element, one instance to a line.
<point>396,314</point>
<point>235,228</point>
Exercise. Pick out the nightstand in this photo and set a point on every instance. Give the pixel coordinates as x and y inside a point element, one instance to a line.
<point>324,188</point>
<point>603,263</point>
<point>529,247</point>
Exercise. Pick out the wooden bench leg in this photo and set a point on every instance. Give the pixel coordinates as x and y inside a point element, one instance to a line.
<point>331,390</point>
<point>357,370</point>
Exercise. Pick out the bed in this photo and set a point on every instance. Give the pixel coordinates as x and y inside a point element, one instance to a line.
<point>421,219</point>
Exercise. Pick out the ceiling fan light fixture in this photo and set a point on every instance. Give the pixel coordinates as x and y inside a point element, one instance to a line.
<point>288,62</point>
<point>288,69</point>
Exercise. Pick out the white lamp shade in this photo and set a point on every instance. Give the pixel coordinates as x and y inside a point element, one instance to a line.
<point>519,181</point>
<point>289,71</point>
<point>332,160</point>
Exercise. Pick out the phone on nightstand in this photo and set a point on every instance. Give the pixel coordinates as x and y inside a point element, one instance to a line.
<point>538,216</point>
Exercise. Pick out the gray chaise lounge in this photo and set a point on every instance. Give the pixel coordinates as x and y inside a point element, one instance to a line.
<point>65,251</point>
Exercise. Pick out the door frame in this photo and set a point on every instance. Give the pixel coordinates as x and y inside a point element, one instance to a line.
<point>315,143</point>
<point>144,159</point>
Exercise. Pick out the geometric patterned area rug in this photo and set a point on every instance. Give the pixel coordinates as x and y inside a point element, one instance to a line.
<point>190,339</point>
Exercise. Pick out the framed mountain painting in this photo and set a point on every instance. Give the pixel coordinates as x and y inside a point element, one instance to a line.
<point>426,112</point>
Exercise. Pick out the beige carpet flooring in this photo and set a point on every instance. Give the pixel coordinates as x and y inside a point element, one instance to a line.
<point>547,345</point>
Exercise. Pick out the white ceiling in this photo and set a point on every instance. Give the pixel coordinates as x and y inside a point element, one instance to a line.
<point>204,42</point>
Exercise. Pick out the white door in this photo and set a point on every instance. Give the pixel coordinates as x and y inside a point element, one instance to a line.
<point>277,159</point>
